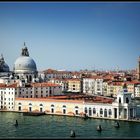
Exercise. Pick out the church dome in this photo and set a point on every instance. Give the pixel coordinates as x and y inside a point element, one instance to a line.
<point>24,63</point>
<point>3,66</point>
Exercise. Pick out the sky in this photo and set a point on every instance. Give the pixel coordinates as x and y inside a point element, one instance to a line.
<point>72,35</point>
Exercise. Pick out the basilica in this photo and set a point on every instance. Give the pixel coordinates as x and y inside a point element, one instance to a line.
<point>24,68</point>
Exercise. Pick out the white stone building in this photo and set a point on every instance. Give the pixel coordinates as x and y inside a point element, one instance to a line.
<point>137,91</point>
<point>93,86</point>
<point>7,97</point>
<point>98,107</point>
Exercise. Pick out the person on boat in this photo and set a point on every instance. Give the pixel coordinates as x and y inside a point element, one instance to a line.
<point>99,128</point>
<point>72,133</point>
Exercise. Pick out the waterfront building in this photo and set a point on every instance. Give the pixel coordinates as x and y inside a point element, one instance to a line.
<point>8,93</point>
<point>7,97</point>
<point>50,105</point>
<point>124,107</point>
<point>93,106</point>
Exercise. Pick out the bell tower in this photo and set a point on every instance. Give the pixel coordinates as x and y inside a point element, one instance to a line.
<point>138,69</point>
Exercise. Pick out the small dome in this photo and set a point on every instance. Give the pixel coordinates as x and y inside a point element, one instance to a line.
<point>3,66</point>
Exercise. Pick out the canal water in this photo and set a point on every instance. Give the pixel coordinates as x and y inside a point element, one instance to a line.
<point>59,127</point>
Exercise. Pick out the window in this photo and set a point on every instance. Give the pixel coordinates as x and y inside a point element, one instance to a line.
<point>101,111</point>
<point>110,112</point>
<point>76,112</point>
<point>52,105</point>
<point>127,100</point>
<point>19,108</point>
<point>85,109</point>
<point>94,111</point>
<point>89,111</point>
<point>64,111</point>
<point>105,113</point>
<point>119,99</point>
<point>64,106</point>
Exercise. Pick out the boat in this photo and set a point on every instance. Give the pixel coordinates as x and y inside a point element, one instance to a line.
<point>99,128</point>
<point>84,116</point>
<point>117,125</point>
<point>72,133</point>
<point>33,113</point>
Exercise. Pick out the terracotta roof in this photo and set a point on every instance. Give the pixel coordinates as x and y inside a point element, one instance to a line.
<point>72,99</point>
<point>44,84</point>
<point>14,85</point>
<point>49,100</point>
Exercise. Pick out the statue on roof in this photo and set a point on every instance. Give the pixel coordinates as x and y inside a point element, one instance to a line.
<point>1,60</point>
<point>25,51</point>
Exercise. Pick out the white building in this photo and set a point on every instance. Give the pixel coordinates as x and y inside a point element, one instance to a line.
<point>121,108</point>
<point>93,86</point>
<point>137,91</point>
<point>95,106</point>
<point>7,97</point>
<point>8,93</point>
<point>62,82</point>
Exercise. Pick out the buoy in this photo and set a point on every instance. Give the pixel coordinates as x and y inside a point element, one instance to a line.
<point>16,124</point>
<point>99,128</point>
<point>72,133</point>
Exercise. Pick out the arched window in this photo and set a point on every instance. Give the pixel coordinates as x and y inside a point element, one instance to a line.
<point>76,107</point>
<point>30,104</point>
<point>101,111</point>
<point>64,106</point>
<point>105,112</point>
<point>19,103</point>
<point>89,111</point>
<point>119,99</point>
<point>127,100</point>
<point>41,104</point>
<point>30,78</point>
<point>94,111</point>
<point>85,109</point>
<point>52,105</point>
<point>110,112</point>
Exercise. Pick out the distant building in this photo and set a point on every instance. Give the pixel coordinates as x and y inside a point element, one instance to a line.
<point>93,85</point>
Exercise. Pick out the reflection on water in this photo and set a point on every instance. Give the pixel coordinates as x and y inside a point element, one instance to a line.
<point>49,126</point>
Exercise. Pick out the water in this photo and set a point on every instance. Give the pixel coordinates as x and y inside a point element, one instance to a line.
<point>51,126</point>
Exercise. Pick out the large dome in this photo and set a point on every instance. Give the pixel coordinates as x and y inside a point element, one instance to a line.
<point>24,63</point>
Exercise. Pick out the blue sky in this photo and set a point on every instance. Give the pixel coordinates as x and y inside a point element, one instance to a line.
<point>72,35</point>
